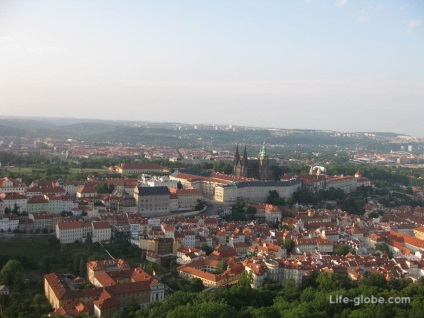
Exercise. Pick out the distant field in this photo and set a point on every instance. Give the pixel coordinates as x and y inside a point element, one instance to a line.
<point>31,248</point>
<point>88,170</point>
<point>20,169</point>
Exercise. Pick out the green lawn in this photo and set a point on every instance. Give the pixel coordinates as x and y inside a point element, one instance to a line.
<point>20,169</point>
<point>88,170</point>
<point>33,252</point>
<point>31,248</point>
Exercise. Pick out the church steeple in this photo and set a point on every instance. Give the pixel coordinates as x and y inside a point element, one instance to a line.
<point>236,156</point>
<point>262,153</point>
<point>245,153</point>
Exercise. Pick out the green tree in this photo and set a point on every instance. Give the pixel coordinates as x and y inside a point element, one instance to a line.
<point>251,210</point>
<point>176,299</point>
<point>76,265</point>
<point>274,198</point>
<point>343,250</point>
<point>9,271</point>
<point>244,280</point>
<point>131,306</point>
<point>204,310</point>
<point>151,267</point>
<point>289,245</point>
<point>120,314</point>
<point>199,206</point>
<point>384,248</point>
<point>18,282</point>
<point>374,280</point>
<point>290,291</point>
<point>291,201</point>
<point>373,215</point>
<point>206,248</point>
<point>196,285</point>
<point>82,268</point>
<point>222,265</point>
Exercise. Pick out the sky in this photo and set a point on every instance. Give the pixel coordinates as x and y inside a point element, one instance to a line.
<point>346,65</point>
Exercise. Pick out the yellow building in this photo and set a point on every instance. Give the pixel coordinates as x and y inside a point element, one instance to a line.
<point>419,232</point>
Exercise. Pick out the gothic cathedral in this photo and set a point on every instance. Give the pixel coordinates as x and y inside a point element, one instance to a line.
<point>253,168</point>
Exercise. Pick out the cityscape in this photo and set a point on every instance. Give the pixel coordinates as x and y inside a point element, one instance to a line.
<point>118,227</point>
<point>211,159</point>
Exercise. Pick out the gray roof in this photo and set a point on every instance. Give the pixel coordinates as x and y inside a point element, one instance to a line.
<point>164,190</point>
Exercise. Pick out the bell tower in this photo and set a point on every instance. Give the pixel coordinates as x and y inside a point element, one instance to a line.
<point>265,172</point>
<point>236,161</point>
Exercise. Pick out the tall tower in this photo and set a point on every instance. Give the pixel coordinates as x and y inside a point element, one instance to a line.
<point>236,161</point>
<point>240,165</point>
<point>245,164</point>
<point>265,172</point>
<point>245,161</point>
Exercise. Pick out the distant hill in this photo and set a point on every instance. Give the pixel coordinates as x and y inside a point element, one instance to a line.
<point>162,134</point>
<point>7,130</point>
<point>89,128</point>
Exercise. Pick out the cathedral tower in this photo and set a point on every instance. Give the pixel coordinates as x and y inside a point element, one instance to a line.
<point>252,168</point>
<point>265,172</point>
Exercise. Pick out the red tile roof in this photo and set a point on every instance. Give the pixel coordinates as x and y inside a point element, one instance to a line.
<point>106,303</point>
<point>101,225</point>
<point>72,225</point>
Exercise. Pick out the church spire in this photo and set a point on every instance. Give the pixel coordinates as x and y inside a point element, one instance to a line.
<point>262,153</point>
<point>236,156</point>
<point>245,161</point>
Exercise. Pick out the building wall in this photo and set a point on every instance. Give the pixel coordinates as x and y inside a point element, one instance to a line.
<point>347,185</point>
<point>6,224</point>
<point>188,200</point>
<point>50,295</point>
<point>37,207</point>
<point>173,204</point>
<point>22,204</point>
<point>55,206</point>
<point>226,194</point>
<point>71,235</point>
<point>102,235</point>
<point>149,245</point>
<point>153,204</point>
<point>9,188</point>
<point>260,193</point>
<point>419,234</point>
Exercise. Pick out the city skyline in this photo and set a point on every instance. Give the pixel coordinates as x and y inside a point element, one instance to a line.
<point>329,65</point>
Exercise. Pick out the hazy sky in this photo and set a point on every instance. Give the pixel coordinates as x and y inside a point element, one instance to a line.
<point>346,65</point>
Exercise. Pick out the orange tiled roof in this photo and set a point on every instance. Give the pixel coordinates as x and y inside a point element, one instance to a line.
<point>72,225</point>
<point>106,303</point>
<point>12,196</point>
<point>101,225</point>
